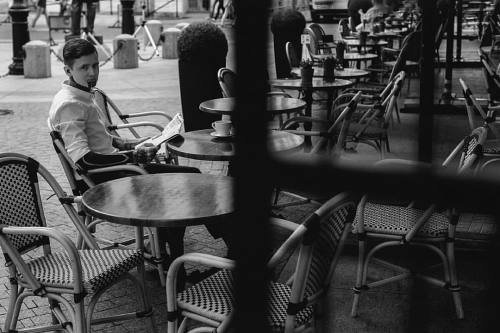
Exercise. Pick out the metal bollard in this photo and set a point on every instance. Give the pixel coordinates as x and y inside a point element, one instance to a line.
<point>155,28</point>
<point>171,35</point>
<point>127,56</point>
<point>37,60</point>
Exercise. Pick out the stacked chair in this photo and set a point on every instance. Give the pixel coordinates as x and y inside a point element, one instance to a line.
<point>393,223</point>
<point>66,278</point>
<point>292,305</point>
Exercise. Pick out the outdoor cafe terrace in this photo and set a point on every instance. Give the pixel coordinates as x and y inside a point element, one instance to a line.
<point>358,148</point>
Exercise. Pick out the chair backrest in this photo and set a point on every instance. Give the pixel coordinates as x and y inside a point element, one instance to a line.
<point>343,107</point>
<point>318,31</point>
<point>106,106</point>
<point>322,237</point>
<point>227,82</point>
<point>76,175</point>
<point>472,105</point>
<point>392,98</point>
<point>291,55</point>
<point>470,150</point>
<point>412,46</point>
<point>20,203</point>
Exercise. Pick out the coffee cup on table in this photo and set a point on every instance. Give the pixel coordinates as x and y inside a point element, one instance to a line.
<point>222,127</point>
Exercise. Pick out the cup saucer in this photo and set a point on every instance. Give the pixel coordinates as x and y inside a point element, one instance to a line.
<point>217,135</point>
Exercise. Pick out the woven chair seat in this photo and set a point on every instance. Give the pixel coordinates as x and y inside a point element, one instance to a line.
<point>214,298</point>
<point>397,220</point>
<point>99,268</point>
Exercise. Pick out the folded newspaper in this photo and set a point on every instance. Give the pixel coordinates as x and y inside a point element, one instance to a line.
<point>172,129</point>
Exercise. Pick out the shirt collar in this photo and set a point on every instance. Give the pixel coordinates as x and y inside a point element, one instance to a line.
<point>77,89</point>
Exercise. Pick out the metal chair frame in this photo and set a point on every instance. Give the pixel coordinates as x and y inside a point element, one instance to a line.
<point>469,150</point>
<point>18,238</point>
<point>307,289</point>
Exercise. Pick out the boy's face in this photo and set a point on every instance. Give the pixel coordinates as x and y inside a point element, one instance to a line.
<point>85,70</point>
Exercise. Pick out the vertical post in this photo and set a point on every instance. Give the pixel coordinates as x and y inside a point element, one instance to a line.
<point>446,97</point>
<point>20,35</point>
<point>251,165</point>
<point>128,23</point>
<point>426,82</point>
<point>460,15</point>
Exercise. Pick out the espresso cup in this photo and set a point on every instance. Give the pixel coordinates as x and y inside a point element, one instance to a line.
<point>222,127</point>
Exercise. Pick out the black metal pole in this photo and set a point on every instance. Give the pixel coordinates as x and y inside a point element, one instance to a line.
<point>447,97</point>
<point>128,23</point>
<point>252,166</point>
<point>426,82</point>
<point>460,15</point>
<point>20,35</point>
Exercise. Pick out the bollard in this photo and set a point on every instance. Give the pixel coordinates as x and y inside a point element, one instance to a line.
<point>127,56</point>
<point>155,28</point>
<point>171,35</point>
<point>181,25</point>
<point>37,60</point>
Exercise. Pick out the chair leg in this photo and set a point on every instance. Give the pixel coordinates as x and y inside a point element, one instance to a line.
<point>454,287</point>
<point>359,276</point>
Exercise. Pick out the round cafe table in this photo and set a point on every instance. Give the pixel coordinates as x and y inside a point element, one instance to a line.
<point>318,84</point>
<point>201,145</point>
<point>275,105</point>
<point>346,73</point>
<point>351,56</point>
<point>161,200</point>
<point>355,42</point>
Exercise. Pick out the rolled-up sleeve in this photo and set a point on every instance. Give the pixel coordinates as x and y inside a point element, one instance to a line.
<point>70,121</point>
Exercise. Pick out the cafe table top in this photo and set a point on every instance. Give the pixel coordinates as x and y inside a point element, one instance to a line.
<point>201,145</point>
<point>346,73</point>
<point>350,56</point>
<point>317,84</point>
<point>275,105</point>
<point>355,42</point>
<point>162,200</point>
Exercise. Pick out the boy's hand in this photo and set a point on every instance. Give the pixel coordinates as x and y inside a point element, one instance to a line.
<point>144,153</point>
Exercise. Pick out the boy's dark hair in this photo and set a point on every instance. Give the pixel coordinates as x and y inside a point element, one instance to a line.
<point>76,48</point>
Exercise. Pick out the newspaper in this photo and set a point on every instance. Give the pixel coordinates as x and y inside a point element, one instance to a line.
<point>172,129</point>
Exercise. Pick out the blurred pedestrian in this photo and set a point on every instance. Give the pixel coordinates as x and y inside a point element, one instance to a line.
<point>76,13</point>
<point>41,8</point>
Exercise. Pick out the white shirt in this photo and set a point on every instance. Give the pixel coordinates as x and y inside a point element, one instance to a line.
<point>76,116</point>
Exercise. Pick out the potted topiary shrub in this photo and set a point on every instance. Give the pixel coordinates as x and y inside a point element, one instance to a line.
<point>287,26</point>
<point>202,49</point>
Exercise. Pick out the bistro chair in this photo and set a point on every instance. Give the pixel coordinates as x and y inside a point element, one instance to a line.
<point>291,305</point>
<point>317,46</point>
<point>64,277</point>
<point>332,141</point>
<point>372,124</point>
<point>394,223</point>
<point>325,41</point>
<point>110,112</point>
<point>80,180</point>
<point>488,118</point>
